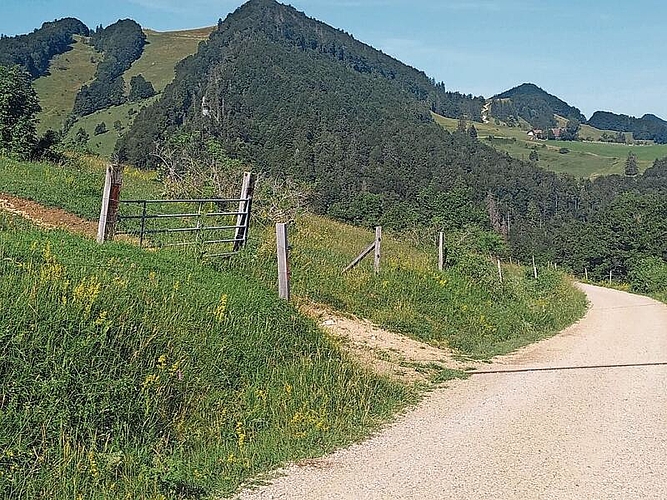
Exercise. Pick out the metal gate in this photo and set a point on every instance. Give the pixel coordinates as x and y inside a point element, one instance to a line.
<point>218,227</point>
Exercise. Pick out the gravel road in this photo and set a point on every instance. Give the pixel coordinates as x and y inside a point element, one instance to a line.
<point>551,433</point>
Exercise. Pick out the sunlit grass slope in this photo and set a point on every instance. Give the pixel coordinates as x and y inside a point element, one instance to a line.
<point>68,72</point>
<point>465,307</point>
<point>584,159</point>
<point>75,186</point>
<point>162,52</point>
<point>104,144</point>
<point>131,374</point>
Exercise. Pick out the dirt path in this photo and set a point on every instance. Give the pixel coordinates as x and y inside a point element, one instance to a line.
<point>47,217</point>
<point>581,415</point>
<point>385,352</point>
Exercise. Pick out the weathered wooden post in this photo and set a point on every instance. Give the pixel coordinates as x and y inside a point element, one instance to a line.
<point>441,251</point>
<point>283,264</point>
<point>534,268</point>
<point>378,245</point>
<point>113,182</point>
<point>243,217</point>
<point>500,271</point>
<point>610,274</point>
<point>586,273</point>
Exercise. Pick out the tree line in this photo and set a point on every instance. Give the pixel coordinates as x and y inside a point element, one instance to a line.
<point>34,51</point>
<point>122,43</point>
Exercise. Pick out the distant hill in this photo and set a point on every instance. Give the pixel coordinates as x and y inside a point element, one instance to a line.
<point>34,51</point>
<point>298,98</point>
<point>648,127</point>
<point>534,105</point>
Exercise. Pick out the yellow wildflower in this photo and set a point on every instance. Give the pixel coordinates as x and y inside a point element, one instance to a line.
<point>221,309</point>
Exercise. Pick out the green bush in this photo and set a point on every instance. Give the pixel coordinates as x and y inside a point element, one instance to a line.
<point>648,275</point>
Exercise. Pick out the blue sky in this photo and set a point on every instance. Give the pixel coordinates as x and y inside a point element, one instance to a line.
<point>596,55</point>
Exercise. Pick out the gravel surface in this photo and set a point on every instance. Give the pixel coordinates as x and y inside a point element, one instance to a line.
<point>586,433</point>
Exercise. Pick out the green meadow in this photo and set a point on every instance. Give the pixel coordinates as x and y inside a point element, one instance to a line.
<point>584,159</point>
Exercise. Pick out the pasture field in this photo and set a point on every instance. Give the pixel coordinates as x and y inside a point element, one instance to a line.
<point>68,72</point>
<point>163,52</point>
<point>585,159</point>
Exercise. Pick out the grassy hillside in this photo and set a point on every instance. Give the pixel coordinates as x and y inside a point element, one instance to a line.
<point>68,72</point>
<point>585,159</point>
<point>104,144</point>
<point>75,186</point>
<point>150,376</point>
<point>150,373</point>
<point>162,52</point>
<point>465,307</point>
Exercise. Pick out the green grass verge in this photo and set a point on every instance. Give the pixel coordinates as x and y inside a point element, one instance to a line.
<point>131,374</point>
<point>585,159</point>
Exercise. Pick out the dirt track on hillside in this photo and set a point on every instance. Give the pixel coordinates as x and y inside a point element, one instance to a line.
<point>47,217</point>
<point>580,416</point>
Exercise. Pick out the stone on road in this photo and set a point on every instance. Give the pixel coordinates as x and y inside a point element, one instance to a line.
<point>585,433</point>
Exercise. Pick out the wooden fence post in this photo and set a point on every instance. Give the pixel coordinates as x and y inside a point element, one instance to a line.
<point>113,182</point>
<point>243,217</point>
<point>534,268</point>
<point>441,251</point>
<point>378,245</point>
<point>586,273</point>
<point>610,274</point>
<point>283,264</point>
<point>500,271</point>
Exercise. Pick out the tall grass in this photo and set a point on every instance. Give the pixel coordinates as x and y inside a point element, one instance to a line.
<point>465,307</point>
<point>75,186</point>
<point>130,374</point>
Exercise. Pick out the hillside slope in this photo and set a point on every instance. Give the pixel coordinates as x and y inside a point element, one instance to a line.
<point>534,105</point>
<point>57,89</point>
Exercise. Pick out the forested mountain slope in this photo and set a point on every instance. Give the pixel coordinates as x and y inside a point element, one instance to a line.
<point>648,127</point>
<point>296,98</point>
<point>34,51</point>
<point>534,105</point>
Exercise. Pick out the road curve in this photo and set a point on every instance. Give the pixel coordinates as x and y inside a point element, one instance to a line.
<point>585,433</point>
